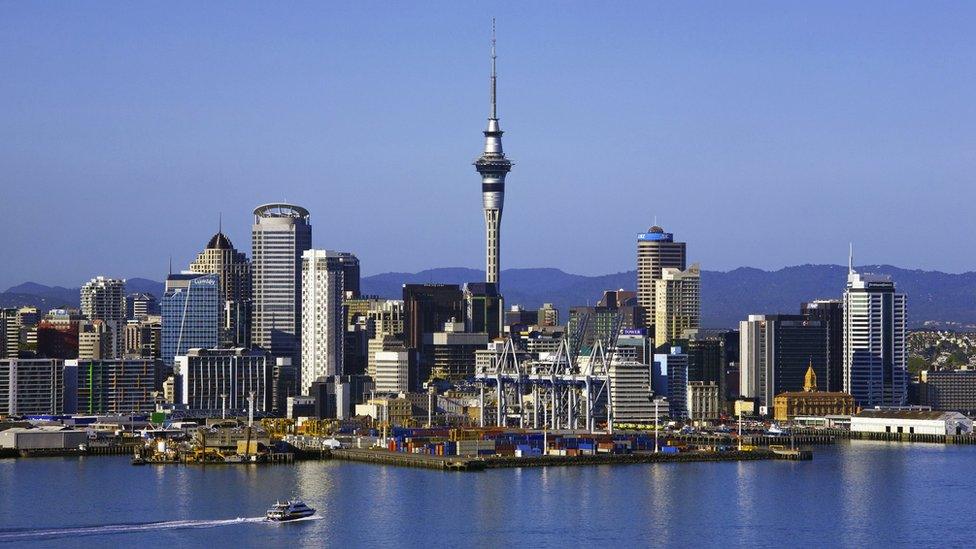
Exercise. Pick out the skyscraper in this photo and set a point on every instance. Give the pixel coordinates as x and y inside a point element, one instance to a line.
<point>830,313</point>
<point>484,309</point>
<point>426,307</point>
<point>234,273</point>
<point>323,322</point>
<point>350,274</point>
<point>104,299</point>
<point>656,250</point>
<point>279,236</point>
<point>190,314</point>
<point>875,354</point>
<point>493,167</point>
<point>677,303</point>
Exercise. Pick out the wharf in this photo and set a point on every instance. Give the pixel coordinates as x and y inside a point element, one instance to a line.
<point>902,437</point>
<point>462,463</point>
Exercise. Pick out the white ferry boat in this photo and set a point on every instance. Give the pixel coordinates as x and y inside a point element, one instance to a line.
<point>289,510</point>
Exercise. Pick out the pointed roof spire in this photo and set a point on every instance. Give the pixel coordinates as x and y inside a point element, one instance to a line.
<point>494,75</point>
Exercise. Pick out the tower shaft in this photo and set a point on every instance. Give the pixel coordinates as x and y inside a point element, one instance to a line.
<point>493,167</point>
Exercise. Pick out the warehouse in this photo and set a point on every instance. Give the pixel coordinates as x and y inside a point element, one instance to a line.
<point>42,438</point>
<point>924,422</point>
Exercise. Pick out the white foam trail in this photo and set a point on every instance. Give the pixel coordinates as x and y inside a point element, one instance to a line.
<point>123,528</point>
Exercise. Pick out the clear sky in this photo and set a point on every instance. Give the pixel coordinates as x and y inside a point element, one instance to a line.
<point>763,134</point>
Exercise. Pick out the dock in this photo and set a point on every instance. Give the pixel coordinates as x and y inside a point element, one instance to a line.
<point>462,463</point>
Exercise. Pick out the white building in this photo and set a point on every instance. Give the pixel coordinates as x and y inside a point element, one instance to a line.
<point>104,299</point>
<point>875,353</point>
<point>209,376</point>
<point>911,421</point>
<point>677,303</point>
<point>630,391</point>
<point>281,232</point>
<point>392,372</point>
<point>323,323</point>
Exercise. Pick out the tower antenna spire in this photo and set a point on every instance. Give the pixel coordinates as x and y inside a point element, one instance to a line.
<point>850,259</point>
<point>494,75</point>
<point>220,222</point>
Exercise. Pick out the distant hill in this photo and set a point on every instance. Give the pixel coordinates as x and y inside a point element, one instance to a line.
<point>934,298</point>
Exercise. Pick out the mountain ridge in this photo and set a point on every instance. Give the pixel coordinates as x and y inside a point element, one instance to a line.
<point>935,298</point>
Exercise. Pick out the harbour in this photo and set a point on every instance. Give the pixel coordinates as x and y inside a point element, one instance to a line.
<point>860,493</point>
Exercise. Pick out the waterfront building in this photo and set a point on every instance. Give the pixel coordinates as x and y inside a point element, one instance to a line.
<point>875,353</point>
<point>518,316</point>
<point>630,390</point>
<point>706,360</point>
<point>449,354</point>
<point>57,334</point>
<point>703,401</point>
<point>204,375</point>
<point>426,307</point>
<point>812,403</point>
<point>323,329</point>
<point>140,305</point>
<point>280,235</point>
<point>677,304</point>
<point>190,314</point>
<point>601,322</point>
<point>949,390</point>
<point>637,340</point>
<point>285,383</point>
<point>670,379</point>
<point>117,386</point>
<point>104,299</point>
<point>392,374</point>
<point>656,251</point>
<point>94,341</point>
<point>233,272</point>
<point>830,313</point>
<point>333,397</point>
<point>378,344</point>
<point>775,352</point>
<point>493,167</point>
<point>395,411</point>
<point>483,313</point>
<point>918,422</point>
<point>34,387</point>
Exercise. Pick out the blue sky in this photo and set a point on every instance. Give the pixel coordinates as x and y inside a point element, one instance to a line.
<point>763,134</point>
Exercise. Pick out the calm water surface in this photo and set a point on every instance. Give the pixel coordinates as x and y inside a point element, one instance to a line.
<point>858,494</point>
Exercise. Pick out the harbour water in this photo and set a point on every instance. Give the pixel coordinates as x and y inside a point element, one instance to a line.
<point>854,494</point>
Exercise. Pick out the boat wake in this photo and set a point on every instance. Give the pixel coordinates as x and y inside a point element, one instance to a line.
<point>107,529</point>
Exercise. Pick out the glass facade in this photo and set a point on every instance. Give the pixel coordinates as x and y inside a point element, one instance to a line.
<point>191,314</point>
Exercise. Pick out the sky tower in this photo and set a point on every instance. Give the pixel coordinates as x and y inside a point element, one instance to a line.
<point>493,166</point>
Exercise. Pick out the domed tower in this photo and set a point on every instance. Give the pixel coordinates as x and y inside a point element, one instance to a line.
<point>493,167</point>
<point>234,274</point>
<point>656,250</point>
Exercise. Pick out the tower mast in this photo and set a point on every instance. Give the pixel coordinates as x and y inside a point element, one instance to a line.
<point>493,167</point>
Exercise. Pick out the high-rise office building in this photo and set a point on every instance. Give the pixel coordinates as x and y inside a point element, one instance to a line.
<point>875,353</point>
<point>830,313</point>
<point>234,275</point>
<point>323,322</point>
<point>669,378</point>
<point>94,341</point>
<point>9,333</point>
<point>104,299</point>
<point>449,353</point>
<point>426,307</point>
<point>280,235</point>
<point>392,373</point>
<point>483,309</point>
<point>191,314</point>
<point>350,274</point>
<point>493,167</point>
<point>677,304</point>
<point>775,352</point>
<point>656,251</point>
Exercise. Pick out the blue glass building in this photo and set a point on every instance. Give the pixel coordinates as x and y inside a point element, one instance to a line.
<point>191,314</point>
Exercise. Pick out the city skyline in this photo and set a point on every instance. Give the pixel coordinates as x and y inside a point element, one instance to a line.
<point>668,102</point>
